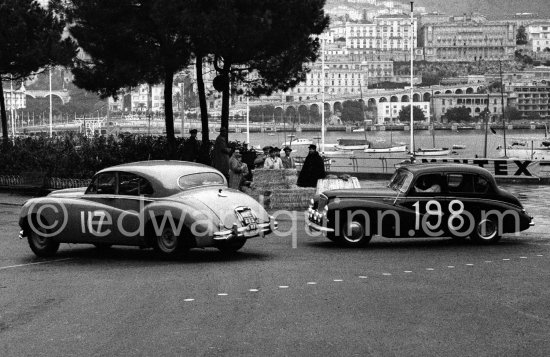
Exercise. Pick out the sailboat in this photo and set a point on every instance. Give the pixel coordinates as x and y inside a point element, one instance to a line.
<point>379,148</point>
<point>525,149</point>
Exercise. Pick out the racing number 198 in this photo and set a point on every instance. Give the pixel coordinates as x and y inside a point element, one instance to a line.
<point>456,214</point>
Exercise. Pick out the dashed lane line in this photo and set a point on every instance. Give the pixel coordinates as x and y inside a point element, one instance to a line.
<point>35,263</point>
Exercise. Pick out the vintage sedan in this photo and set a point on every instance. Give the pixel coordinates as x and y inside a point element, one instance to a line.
<point>170,206</point>
<point>421,200</point>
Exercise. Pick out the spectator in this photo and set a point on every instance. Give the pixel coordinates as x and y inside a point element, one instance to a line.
<point>288,162</point>
<point>312,170</point>
<point>273,162</point>
<point>220,155</point>
<point>237,170</point>
<point>260,159</point>
<point>191,148</point>
<point>427,183</point>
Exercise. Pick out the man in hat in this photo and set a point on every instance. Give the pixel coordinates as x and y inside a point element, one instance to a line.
<point>273,162</point>
<point>260,159</point>
<point>191,147</point>
<point>312,170</point>
<point>288,162</point>
<point>220,154</point>
<point>237,170</point>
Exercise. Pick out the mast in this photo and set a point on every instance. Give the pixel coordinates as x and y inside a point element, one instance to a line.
<point>323,95</point>
<point>411,95</point>
<point>502,104</point>
<point>247,122</point>
<point>486,125</point>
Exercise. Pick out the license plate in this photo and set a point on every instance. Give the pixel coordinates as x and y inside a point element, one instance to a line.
<point>252,227</point>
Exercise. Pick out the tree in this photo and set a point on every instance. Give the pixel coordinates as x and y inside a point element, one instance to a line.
<point>405,114</point>
<point>352,110</point>
<point>31,39</point>
<point>521,36</point>
<point>263,46</point>
<point>512,113</point>
<point>458,114</point>
<point>127,43</point>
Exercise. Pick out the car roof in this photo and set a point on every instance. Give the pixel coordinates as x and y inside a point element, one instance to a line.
<point>163,174</point>
<point>422,168</point>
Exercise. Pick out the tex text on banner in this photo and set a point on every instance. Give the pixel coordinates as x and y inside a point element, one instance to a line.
<point>500,167</point>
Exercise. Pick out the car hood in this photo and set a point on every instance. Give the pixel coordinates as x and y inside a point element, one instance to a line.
<point>224,203</point>
<point>367,193</point>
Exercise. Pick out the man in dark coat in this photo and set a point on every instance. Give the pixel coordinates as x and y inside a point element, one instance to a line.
<point>312,170</point>
<point>191,147</point>
<point>220,155</point>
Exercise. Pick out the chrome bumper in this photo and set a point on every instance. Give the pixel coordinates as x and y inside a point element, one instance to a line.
<point>318,228</point>
<point>245,232</point>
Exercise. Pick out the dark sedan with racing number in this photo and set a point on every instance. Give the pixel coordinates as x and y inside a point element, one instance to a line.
<point>421,200</point>
<point>170,206</point>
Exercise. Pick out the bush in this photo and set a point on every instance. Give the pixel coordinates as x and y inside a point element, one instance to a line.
<point>79,157</point>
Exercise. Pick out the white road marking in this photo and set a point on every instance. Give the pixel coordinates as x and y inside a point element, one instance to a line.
<point>450,266</point>
<point>253,290</point>
<point>188,299</point>
<point>338,280</point>
<point>522,257</point>
<point>222,294</point>
<point>506,259</point>
<point>407,271</point>
<point>387,274</point>
<point>362,277</point>
<point>488,261</point>
<point>470,264</point>
<point>36,263</point>
<point>283,286</point>
<point>430,269</point>
<point>311,283</point>
<point>540,255</point>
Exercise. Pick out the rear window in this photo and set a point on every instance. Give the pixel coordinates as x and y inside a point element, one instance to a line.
<point>200,179</point>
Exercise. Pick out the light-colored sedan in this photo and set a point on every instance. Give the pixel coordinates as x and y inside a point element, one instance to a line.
<point>171,206</point>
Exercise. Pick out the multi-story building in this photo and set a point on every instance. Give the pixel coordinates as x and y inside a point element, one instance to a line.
<point>538,35</point>
<point>342,77</point>
<point>532,98</point>
<point>387,33</point>
<point>475,102</point>
<point>468,40</point>
<point>389,111</point>
<point>16,98</point>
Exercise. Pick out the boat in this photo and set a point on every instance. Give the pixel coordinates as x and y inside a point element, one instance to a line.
<point>359,130</point>
<point>459,147</point>
<point>523,152</point>
<point>432,152</point>
<point>296,142</point>
<point>352,144</point>
<point>387,149</point>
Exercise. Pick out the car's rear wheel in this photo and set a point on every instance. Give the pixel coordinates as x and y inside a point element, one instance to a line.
<point>40,242</point>
<point>231,246</point>
<point>486,232</point>
<point>169,243</point>
<point>353,233</point>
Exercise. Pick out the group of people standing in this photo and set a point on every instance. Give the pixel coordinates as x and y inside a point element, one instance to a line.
<point>230,161</point>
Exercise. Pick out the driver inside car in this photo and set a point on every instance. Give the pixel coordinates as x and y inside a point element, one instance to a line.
<point>427,184</point>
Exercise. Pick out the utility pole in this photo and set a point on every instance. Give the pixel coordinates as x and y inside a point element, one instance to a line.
<point>502,104</point>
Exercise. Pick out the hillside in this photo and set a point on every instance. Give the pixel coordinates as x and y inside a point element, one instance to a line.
<point>490,8</point>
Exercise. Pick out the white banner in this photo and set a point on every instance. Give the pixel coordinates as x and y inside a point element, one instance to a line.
<point>498,167</point>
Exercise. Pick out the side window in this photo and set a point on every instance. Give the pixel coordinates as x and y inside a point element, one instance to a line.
<point>462,183</point>
<point>133,185</point>
<point>430,183</point>
<point>103,184</point>
<point>481,185</point>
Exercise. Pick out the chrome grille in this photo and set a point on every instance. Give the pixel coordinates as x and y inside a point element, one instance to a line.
<point>323,200</point>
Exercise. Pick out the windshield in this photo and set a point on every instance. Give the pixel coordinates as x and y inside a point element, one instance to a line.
<point>400,180</point>
<point>200,179</point>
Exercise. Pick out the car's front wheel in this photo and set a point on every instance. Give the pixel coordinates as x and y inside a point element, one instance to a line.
<point>353,233</point>
<point>40,242</point>
<point>231,246</point>
<point>485,232</point>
